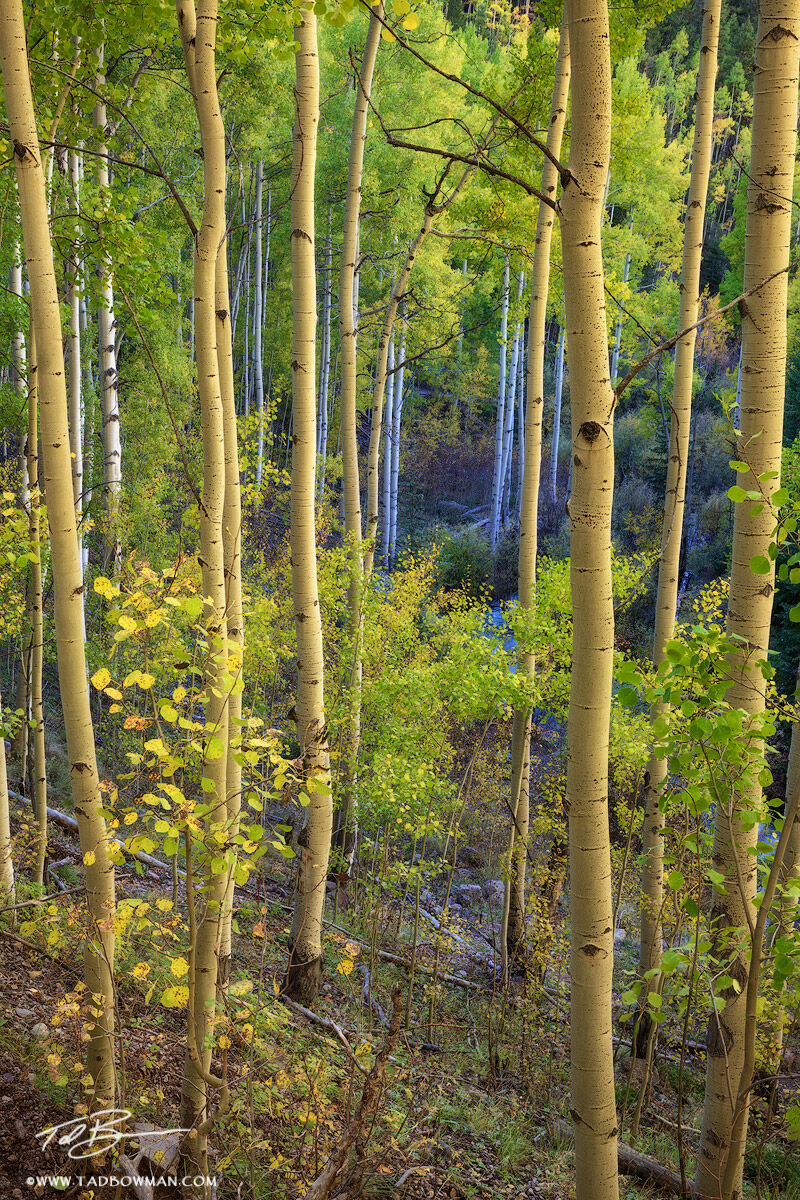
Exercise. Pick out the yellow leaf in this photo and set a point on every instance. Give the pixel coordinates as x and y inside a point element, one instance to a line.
<point>388,36</point>
<point>145,680</point>
<point>345,967</point>
<point>115,708</point>
<point>224,1042</point>
<point>179,967</point>
<point>411,21</point>
<point>101,677</point>
<point>89,857</point>
<point>175,997</point>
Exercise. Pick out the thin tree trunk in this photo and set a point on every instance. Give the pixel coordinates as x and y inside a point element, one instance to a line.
<point>67,587</point>
<point>36,611</point>
<point>558,392</point>
<point>388,427</point>
<point>348,333</point>
<point>650,942</point>
<point>497,480</point>
<point>591,910</point>
<point>514,916</point>
<point>6,861</point>
<point>767,240</point>
<point>74,362</point>
<point>397,416</point>
<point>325,353</point>
<point>304,970</point>
<point>19,742</point>
<point>198,31</point>
<point>109,377</point>
<point>258,321</point>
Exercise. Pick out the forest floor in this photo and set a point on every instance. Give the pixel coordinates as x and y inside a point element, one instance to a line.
<point>471,1086</point>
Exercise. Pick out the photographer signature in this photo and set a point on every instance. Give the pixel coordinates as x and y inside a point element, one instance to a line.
<point>95,1134</point>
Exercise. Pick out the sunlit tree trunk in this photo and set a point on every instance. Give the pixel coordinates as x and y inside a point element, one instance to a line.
<point>591,917</point>
<point>19,744</point>
<point>348,333</point>
<point>304,969</point>
<point>232,550</point>
<point>514,917</point>
<point>672,529</point>
<point>768,231</point>
<point>67,584</point>
<point>198,31</point>
<point>325,358</point>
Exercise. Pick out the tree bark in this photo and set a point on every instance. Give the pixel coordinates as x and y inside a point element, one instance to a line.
<point>556,435</point>
<point>258,321</point>
<point>348,333</point>
<point>650,941</point>
<point>67,585</point>
<point>198,31</point>
<point>497,480</point>
<point>768,232</point>
<point>591,910</point>
<point>109,376</point>
<point>304,969</point>
<point>514,922</point>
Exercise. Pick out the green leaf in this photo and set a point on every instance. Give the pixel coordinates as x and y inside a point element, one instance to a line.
<point>760,565</point>
<point>737,494</point>
<point>627,696</point>
<point>675,880</point>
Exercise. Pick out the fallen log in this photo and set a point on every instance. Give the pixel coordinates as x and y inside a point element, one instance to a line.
<point>633,1163</point>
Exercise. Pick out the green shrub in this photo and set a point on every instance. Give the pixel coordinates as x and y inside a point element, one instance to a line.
<point>464,563</point>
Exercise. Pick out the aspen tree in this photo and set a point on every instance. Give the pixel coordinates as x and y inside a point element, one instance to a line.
<point>232,550</point>
<point>591,920</point>
<point>19,744</point>
<point>198,31</point>
<point>325,357</point>
<point>514,907</point>
<point>6,860</point>
<point>304,969</point>
<point>67,584</point>
<point>672,529</point>
<point>74,356</point>
<point>109,376</point>
<point>36,617</point>
<point>348,333</point>
<point>388,425</point>
<point>258,321</point>
<point>397,416</point>
<point>767,239</point>
<point>556,434</point>
<point>497,478</point>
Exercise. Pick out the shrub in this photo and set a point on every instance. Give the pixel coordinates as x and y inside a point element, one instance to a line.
<point>464,563</point>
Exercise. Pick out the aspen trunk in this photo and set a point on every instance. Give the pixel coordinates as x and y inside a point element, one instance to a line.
<point>768,232</point>
<point>591,917</point>
<point>379,387</point>
<point>258,323</point>
<point>558,392</point>
<point>511,400</point>
<point>304,969</point>
<point>109,378</point>
<point>36,613</point>
<point>497,479</point>
<point>521,403</point>
<point>19,744</point>
<point>388,425</point>
<point>67,585</point>
<point>348,334</point>
<point>397,416</point>
<point>514,918</point>
<point>6,860</point>
<point>325,357</point>
<point>232,550</point>
<point>650,942</point>
<point>198,31</point>
<point>74,361</point>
